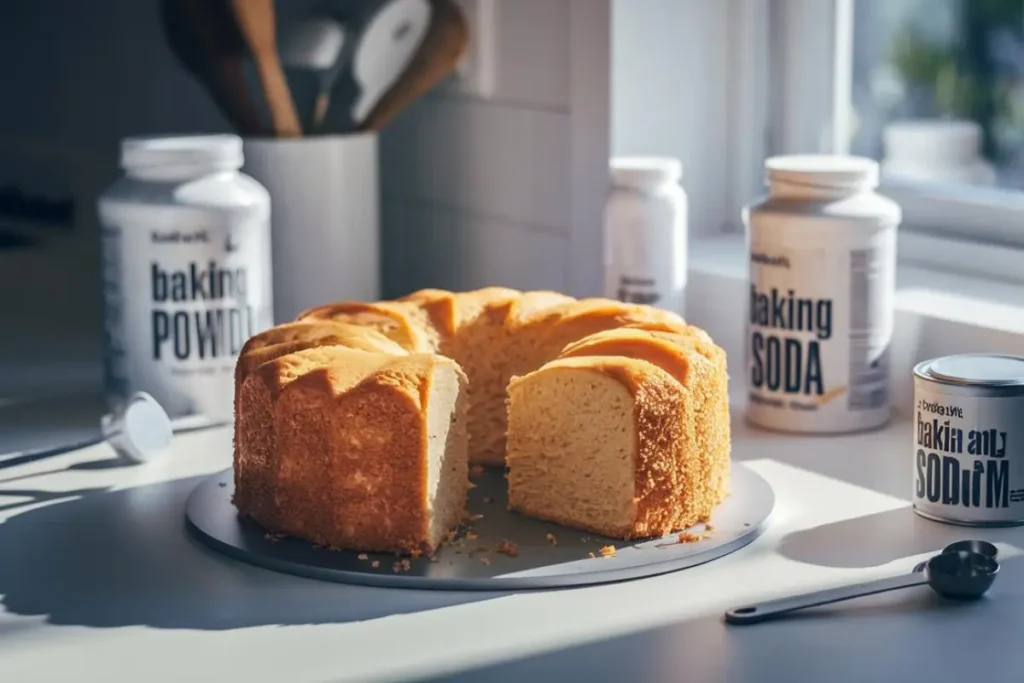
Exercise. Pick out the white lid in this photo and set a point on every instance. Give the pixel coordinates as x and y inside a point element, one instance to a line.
<point>823,170</point>
<point>645,171</point>
<point>979,368</point>
<point>215,152</point>
<point>142,431</point>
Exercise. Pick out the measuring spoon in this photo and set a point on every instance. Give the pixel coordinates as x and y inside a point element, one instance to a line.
<point>983,547</point>
<point>961,575</point>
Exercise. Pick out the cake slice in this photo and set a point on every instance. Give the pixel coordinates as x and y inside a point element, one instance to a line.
<point>623,435</point>
<point>354,450</point>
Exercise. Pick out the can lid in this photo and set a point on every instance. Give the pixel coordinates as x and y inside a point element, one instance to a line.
<point>645,171</point>
<point>215,152</point>
<point>829,171</point>
<point>983,369</point>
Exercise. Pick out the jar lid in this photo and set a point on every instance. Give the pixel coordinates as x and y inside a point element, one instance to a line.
<point>217,152</point>
<point>978,369</point>
<point>645,171</point>
<point>826,171</point>
<point>139,432</point>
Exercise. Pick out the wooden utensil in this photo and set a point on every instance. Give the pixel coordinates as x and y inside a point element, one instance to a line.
<point>315,45</point>
<point>257,22</point>
<point>437,57</point>
<point>205,39</point>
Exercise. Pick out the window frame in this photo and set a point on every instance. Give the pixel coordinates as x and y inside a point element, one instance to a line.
<point>809,112</point>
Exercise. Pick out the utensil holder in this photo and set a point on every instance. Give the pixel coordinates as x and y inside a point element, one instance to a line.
<point>325,217</point>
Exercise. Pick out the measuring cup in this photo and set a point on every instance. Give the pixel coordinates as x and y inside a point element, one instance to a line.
<point>957,574</point>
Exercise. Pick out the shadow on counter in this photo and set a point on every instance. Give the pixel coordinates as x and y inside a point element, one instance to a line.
<point>123,558</point>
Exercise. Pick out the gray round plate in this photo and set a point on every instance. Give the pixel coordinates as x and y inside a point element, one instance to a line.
<point>546,555</point>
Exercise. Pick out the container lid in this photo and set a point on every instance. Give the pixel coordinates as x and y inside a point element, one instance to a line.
<point>978,369</point>
<point>216,152</point>
<point>826,171</point>
<point>141,431</point>
<point>645,171</point>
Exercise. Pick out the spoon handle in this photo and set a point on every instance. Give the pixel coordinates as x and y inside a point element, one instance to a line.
<point>752,614</point>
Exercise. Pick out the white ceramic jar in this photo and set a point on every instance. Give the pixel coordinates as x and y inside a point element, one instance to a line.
<point>645,233</point>
<point>186,272</point>
<point>936,150</point>
<point>822,253</point>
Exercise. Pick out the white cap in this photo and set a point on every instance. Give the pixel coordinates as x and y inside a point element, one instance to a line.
<point>141,431</point>
<point>824,170</point>
<point>645,171</point>
<point>214,152</point>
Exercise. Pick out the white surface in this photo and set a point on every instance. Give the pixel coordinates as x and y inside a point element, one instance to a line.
<point>100,581</point>
<point>325,218</point>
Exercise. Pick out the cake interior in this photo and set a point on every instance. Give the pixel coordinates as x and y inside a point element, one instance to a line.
<point>447,451</point>
<point>572,449</point>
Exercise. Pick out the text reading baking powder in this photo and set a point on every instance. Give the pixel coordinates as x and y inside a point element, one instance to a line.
<point>822,258</point>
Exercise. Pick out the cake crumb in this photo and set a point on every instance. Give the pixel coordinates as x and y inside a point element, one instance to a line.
<point>432,558</point>
<point>472,486</point>
<point>451,535</point>
<point>473,518</point>
<point>375,564</point>
<point>551,539</point>
<point>687,537</point>
<point>401,566</point>
<point>709,527</point>
<point>507,547</point>
<point>607,551</point>
<point>415,553</point>
<point>485,560</point>
<point>273,537</point>
<point>222,484</point>
<point>363,556</point>
<point>591,555</point>
<point>488,499</point>
<point>476,470</point>
<point>470,536</point>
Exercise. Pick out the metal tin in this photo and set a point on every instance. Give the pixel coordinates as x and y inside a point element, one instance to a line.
<point>969,440</point>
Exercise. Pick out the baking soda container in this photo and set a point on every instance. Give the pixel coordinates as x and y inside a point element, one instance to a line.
<point>822,251</point>
<point>186,273</point>
<point>645,233</point>
<point>969,440</point>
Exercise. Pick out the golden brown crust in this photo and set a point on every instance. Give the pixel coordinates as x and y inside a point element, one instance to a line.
<point>330,427</point>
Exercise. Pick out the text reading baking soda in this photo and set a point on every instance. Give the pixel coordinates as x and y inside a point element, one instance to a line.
<point>822,276</point>
<point>186,271</point>
<point>969,439</point>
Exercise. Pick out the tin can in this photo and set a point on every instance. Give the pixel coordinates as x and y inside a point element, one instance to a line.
<point>822,252</point>
<point>969,440</point>
<point>186,273</point>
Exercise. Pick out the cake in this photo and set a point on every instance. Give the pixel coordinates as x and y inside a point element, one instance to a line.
<point>355,424</point>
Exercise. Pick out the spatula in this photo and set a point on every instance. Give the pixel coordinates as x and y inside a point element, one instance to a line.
<point>257,23</point>
<point>315,45</point>
<point>205,39</point>
<point>436,58</point>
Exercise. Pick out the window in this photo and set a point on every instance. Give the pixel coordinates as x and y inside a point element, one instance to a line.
<point>932,89</point>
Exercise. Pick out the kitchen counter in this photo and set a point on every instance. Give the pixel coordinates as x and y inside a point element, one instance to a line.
<point>100,581</point>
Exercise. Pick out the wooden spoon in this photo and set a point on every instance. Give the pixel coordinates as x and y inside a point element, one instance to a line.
<point>205,39</point>
<point>257,22</point>
<point>437,57</point>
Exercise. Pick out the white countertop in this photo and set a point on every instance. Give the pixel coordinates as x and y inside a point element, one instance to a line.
<point>99,580</point>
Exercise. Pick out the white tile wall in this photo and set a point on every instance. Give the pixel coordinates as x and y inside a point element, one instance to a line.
<point>506,190</point>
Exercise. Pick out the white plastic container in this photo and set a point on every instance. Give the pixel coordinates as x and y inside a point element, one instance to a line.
<point>822,250</point>
<point>645,233</point>
<point>936,150</point>
<point>186,272</point>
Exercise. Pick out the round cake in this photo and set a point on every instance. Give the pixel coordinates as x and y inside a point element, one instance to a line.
<point>356,424</point>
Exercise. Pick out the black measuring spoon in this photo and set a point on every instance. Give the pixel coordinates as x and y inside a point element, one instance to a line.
<point>961,575</point>
<point>983,547</point>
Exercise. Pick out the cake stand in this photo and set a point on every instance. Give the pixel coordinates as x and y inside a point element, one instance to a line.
<point>496,550</point>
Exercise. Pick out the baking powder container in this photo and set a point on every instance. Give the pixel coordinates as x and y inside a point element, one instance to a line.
<point>186,273</point>
<point>969,439</point>
<point>822,259</point>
